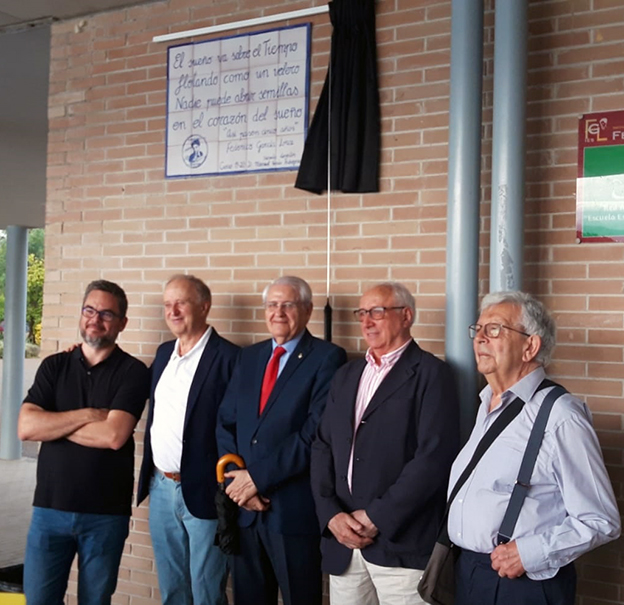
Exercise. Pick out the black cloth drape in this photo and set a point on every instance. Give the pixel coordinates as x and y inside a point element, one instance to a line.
<point>355,121</point>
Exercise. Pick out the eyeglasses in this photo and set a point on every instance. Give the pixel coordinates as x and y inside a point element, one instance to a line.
<point>375,312</point>
<point>287,306</point>
<point>106,315</point>
<point>491,330</point>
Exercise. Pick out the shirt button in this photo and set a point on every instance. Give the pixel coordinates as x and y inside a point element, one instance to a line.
<point>460,500</point>
<point>459,534</point>
<point>254,441</point>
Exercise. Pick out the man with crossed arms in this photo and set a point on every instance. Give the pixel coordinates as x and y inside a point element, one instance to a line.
<point>83,407</point>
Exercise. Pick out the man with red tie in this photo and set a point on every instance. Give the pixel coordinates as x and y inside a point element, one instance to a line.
<point>269,416</point>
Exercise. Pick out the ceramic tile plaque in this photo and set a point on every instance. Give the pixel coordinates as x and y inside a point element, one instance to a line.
<point>238,104</point>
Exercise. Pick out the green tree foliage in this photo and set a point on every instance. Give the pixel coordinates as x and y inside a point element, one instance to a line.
<point>34,294</point>
<point>36,242</point>
<point>34,283</point>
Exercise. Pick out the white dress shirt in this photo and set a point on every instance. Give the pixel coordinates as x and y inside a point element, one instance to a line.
<point>570,507</point>
<point>170,401</point>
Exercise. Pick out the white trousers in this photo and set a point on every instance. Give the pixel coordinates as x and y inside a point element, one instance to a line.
<point>364,583</point>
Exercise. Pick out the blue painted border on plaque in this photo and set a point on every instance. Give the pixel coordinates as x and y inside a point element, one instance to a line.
<point>308,27</point>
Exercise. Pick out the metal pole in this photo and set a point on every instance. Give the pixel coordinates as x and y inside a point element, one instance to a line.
<point>508,145</point>
<point>462,249</point>
<point>14,340</point>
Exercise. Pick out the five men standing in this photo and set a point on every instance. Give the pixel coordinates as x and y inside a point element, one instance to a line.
<point>83,406</point>
<point>189,377</point>
<point>269,416</point>
<point>381,461</point>
<point>373,465</point>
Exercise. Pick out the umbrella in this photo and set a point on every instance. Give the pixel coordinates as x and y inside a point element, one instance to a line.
<point>227,509</point>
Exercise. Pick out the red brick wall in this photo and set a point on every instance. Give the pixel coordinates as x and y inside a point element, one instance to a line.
<point>111,213</point>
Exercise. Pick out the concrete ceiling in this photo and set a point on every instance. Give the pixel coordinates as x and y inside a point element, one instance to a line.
<point>14,13</point>
<point>25,37</point>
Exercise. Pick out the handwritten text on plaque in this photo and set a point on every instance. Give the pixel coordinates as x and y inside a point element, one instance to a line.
<point>238,104</point>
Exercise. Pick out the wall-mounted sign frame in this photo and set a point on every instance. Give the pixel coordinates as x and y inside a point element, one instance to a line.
<point>238,104</point>
<point>600,182</point>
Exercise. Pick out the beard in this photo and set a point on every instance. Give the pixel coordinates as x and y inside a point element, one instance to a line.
<point>97,342</point>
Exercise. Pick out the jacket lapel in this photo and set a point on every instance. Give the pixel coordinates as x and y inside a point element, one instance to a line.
<point>298,356</point>
<point>203,369</point>
<point>256,382</point>
<point>348,394</point>
<point>401,372</point>
<point>160,363</point>
<point>157,368</point>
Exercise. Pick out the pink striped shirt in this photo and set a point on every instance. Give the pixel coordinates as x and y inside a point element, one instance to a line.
<point>370,380</point>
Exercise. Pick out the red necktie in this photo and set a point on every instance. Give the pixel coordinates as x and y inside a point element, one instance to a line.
<point>270,376</point>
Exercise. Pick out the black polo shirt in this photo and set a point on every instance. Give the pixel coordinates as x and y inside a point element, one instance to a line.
<point>72,477</point>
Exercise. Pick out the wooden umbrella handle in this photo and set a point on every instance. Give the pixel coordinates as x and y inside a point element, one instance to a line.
<point>224,461</point>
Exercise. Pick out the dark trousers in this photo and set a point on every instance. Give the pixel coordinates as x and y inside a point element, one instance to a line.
<point>478,584</point>
<point>269,560</point>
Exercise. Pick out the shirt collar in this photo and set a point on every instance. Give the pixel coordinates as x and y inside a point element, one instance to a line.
<point>525,389</point>
<point>289,345</point>
<point>389,359</point>
<point>77,354</point>
<point>200,344</point>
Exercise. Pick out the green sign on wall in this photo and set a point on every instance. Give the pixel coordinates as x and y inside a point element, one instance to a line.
<point>600,182</point>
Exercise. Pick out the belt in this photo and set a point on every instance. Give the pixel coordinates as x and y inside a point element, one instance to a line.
<point>173,476</point>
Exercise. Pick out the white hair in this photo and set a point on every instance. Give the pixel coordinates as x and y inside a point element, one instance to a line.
<point>534,318</point>
<point>400,294</point>
<point>300,286</point>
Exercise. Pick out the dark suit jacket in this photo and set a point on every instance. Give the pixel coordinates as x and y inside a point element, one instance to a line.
<point>404,448</point>
<point>199,450</point>
<point>276,445</point>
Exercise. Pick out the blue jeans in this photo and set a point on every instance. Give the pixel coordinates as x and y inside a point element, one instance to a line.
<point>191,569</point>
<point>55,537</point>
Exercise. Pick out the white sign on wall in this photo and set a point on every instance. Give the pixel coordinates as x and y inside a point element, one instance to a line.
<point>238,104</point>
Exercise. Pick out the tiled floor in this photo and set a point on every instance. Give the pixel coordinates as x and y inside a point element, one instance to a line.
<point>17,485</point>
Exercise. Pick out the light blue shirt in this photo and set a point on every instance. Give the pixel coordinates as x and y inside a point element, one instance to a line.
<point>570,507</point>
<point>290,347</point>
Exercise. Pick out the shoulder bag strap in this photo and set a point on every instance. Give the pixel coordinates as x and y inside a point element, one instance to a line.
<point>499,425</point>
<point>507,415</point>
<point>521,488</point>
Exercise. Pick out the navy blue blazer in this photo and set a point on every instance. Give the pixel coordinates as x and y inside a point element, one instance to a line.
<point>276,445</point>
<point>199,450</point>
<point>404,448</point>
